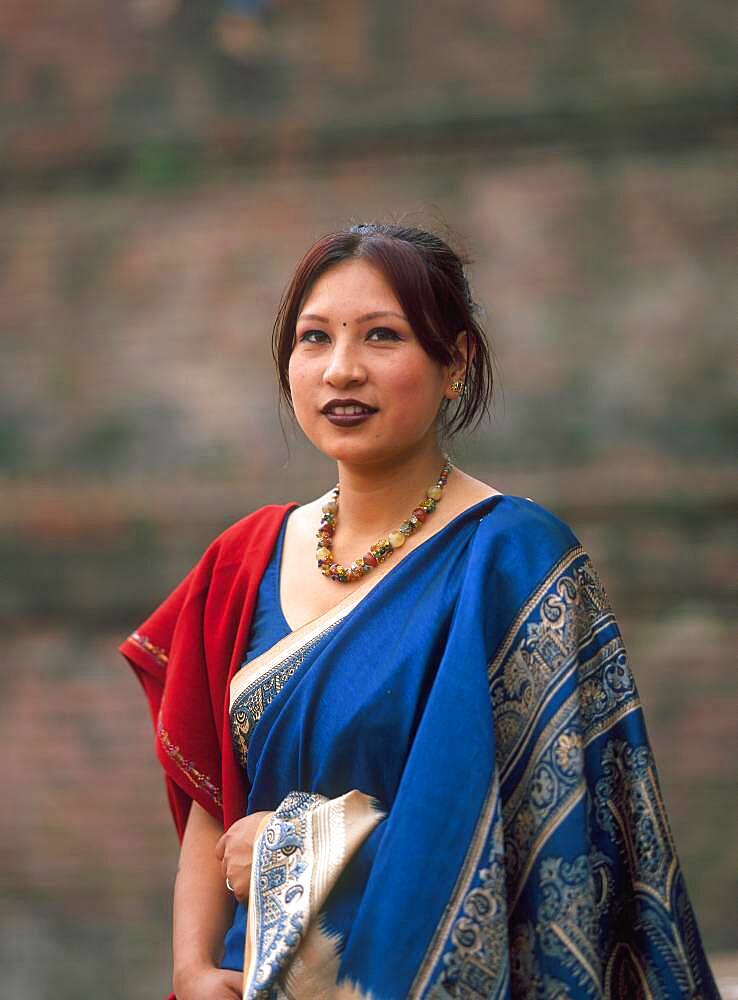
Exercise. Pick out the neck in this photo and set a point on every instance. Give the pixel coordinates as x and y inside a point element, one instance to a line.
<point>375,499</point>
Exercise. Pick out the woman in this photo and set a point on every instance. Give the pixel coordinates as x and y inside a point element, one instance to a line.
<point>419,729</point>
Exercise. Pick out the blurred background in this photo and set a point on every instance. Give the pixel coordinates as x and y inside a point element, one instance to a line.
<point>163,165</point>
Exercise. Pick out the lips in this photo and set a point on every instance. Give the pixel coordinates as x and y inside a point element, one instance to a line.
<point>347,407</point>
<point>347,412</point>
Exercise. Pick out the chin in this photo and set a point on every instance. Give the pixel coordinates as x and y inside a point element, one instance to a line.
<point>351,452</point>
<point>374,452</point>
<point>340,448</point>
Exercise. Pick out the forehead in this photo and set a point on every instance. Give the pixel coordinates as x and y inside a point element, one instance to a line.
<point>352,286</point>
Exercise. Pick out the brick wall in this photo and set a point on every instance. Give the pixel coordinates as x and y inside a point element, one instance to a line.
<point>138,287</point>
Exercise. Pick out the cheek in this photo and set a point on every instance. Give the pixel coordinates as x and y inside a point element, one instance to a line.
<point>304,394</point>
<point>297,376</point>
<point>415,385</point>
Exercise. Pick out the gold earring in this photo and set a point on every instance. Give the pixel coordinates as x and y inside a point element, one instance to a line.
<point>457,386</point>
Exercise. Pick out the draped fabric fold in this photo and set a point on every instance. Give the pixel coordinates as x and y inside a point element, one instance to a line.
<point>185,654</point>
<point>299,854</point>
<point>479,702</point>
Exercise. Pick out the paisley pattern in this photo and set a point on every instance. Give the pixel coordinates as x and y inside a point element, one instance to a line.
<point>613,920</point>
<point>476,964</point>
<point>629,807</point>
<point>281,898</point>
<point>298,856</point>
<point>482,692</point>
<point>542,650</point>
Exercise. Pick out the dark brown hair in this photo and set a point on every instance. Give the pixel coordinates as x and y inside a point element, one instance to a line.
<point>429,280</point>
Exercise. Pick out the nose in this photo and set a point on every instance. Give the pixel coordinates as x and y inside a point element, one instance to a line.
<point>344,366</point>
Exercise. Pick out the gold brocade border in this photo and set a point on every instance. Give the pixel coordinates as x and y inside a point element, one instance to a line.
<point>569,795</point>
<point>300,851</point>
<point>472,859</point>
<point>570,946</point>
<point>156,652</point>
<point>198,778</point>
<point>468,868</point>
<point>565,652</point>
<point>295,641</point>
<point>248,707</point>
<point>564,563</point>
<point>512,759</point>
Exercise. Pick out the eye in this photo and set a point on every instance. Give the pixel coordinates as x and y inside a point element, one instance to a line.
<point>304,337</point>
<point>384,329</point>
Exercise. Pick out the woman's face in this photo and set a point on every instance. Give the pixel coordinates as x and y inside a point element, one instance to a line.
<point>353,341</point>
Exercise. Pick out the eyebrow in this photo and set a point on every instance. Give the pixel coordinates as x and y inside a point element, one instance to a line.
<point>360,319</point>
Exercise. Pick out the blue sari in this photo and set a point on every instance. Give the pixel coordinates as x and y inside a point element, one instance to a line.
<point>463,800</point>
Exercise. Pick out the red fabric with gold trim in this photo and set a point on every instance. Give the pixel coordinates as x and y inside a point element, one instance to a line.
<point>185,655</point>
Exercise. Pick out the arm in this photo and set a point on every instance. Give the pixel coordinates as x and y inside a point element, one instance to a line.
<point>203,909</point>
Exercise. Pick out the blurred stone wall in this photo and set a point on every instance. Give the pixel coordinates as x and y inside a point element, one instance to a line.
<point>164,166</point>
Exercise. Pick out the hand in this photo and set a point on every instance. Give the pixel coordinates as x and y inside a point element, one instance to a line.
<point>209,983</point>
<point>235,851</point>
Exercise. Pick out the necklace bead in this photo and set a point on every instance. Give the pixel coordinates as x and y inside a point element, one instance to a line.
<point>383,547</point>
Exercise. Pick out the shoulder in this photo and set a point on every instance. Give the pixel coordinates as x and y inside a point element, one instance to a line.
<point>246,527</point>
<point>250,535</point>
<point>524,557</point>
<point>521,527</point>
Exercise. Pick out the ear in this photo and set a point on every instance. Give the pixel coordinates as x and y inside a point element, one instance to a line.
<point>463,351</point>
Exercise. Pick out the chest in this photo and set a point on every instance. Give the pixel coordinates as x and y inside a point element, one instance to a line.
<point>304,592</point>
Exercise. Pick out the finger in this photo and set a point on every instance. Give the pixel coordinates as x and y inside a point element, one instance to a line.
<point>220,848</point>
<point>234,985</point>
<point>242,884</point>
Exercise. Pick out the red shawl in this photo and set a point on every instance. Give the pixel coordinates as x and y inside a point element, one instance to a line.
<point>185,655</point>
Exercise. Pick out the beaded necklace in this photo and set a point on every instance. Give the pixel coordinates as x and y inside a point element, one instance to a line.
<point>382,547</point>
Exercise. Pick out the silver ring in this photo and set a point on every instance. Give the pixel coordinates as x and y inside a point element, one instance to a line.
<point>229,887</point>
